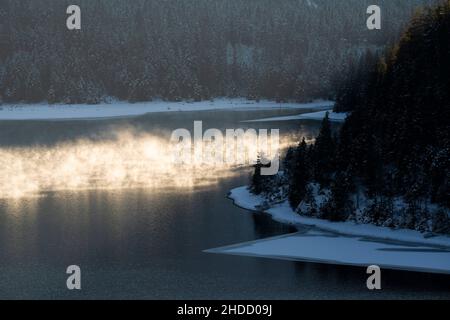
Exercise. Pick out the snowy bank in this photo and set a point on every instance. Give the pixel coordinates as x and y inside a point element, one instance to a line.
<point>126,109</point>
<point>322,247</point>
<point>320,115</point>
<point>284,214</point>
<point>342,243</point>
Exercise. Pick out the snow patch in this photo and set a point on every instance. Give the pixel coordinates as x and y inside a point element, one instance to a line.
<point>323,247</point>
<point>126,109</point>
<point>320,115</point>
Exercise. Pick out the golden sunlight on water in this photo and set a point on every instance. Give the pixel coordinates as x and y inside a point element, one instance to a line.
<point>130,160</point>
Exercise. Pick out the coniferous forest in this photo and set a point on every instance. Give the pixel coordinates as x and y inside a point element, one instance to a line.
<point>389,164</point>
<point>128,143</point>
<point>188,49</point>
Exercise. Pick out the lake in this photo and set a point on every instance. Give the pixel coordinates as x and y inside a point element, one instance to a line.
<point>101,194</point>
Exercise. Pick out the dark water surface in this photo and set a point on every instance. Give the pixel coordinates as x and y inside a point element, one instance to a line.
<point>147,243</point>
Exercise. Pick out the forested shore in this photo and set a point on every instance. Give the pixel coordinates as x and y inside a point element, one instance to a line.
<point>389,164</point>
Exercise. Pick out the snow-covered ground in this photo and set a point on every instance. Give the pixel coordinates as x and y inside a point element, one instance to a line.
<point>323,247</point>
<point>126,109</point>
<point>320,115</point>
<point>283,213</point>
<point>343,243</point>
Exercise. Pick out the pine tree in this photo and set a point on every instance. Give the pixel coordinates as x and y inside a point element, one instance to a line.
<point>257,180</point>
<point>324,154</point>
<point>299,177</point>
<point>339,206</point>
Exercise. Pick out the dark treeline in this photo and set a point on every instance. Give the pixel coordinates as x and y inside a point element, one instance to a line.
<point>186,49</point>
<point>390,162</point>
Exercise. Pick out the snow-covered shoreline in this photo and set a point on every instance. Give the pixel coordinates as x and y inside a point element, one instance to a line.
<point>319,116</point>
<point>317,246</point>
<point>284,214</point>
<point>125,109</point>
<point>320,241</point>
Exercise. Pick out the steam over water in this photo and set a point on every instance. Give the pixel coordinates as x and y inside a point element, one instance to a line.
<point>125,162</point>
<point>130,160</point>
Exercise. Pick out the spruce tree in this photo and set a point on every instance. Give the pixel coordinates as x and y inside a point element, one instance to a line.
<point>299,176</point>
<point>324,154</point>
<point>257,180</point>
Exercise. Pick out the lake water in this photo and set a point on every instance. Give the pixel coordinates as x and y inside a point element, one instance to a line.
<point>69,194</point>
